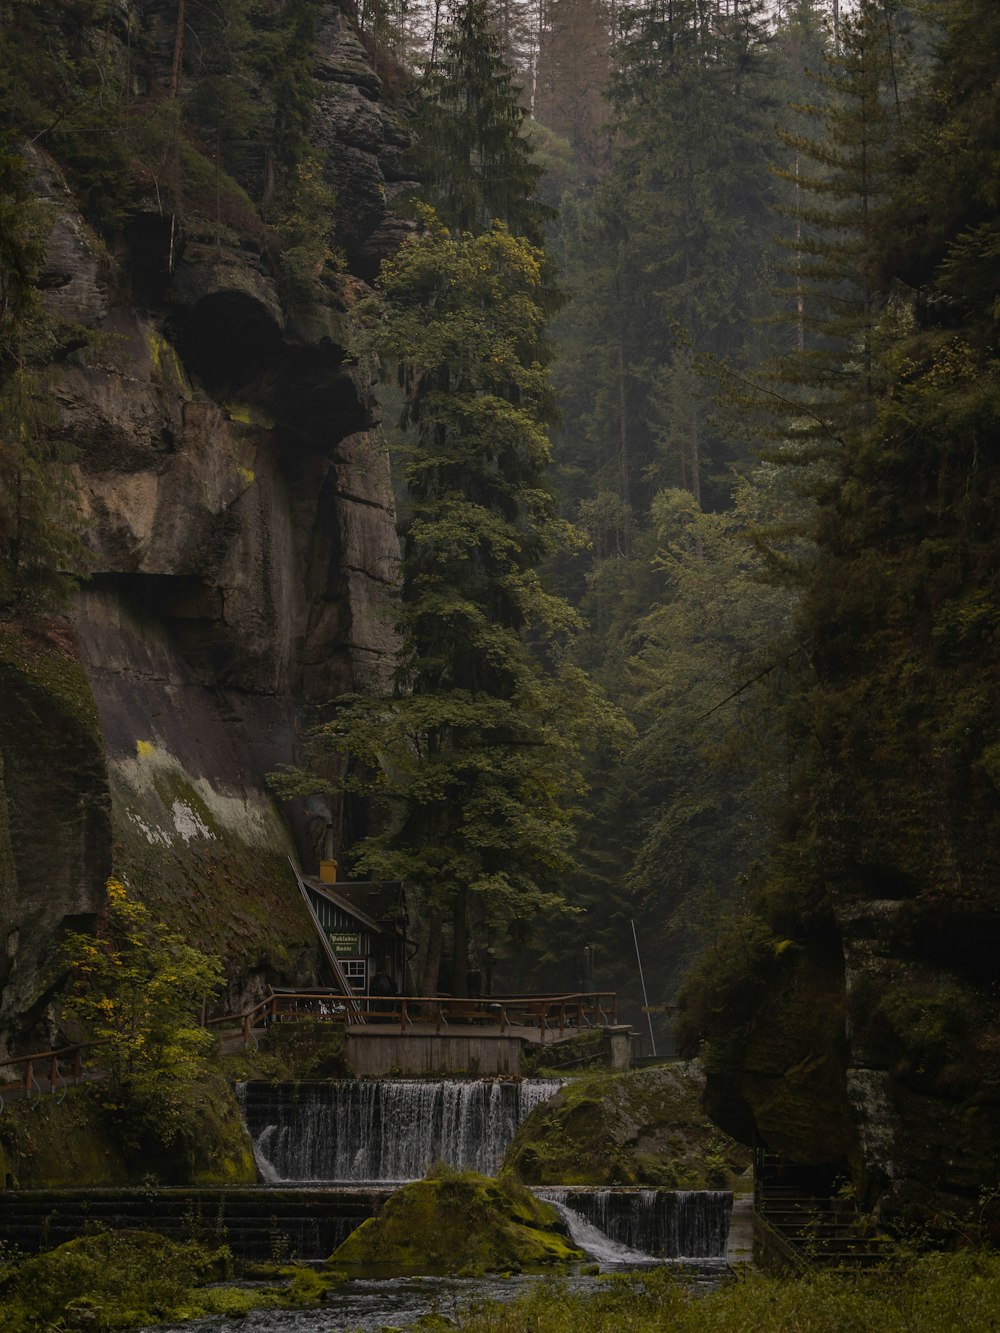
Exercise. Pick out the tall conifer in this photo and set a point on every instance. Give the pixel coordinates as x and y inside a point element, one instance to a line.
<point>476,165</point>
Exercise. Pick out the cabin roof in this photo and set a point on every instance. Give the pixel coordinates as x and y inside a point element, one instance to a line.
<point>377,904</point>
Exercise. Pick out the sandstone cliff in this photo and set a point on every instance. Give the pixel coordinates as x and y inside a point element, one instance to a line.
<point>238,510</point>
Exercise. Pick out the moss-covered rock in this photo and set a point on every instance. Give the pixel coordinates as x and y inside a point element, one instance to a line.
<point>645,1127</point>
<point>55,828</point>
<point>113,1280</point>
<point>84,1141</point>
<point>458,1223</point>
<point>583,1050</point>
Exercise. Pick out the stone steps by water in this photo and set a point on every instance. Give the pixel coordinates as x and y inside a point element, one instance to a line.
<point>257,1224</point>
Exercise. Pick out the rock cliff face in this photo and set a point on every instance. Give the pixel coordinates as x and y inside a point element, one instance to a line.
<point>238,509</point>
<point>872,1055</point>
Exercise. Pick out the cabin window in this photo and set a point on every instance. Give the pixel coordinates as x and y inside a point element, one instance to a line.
<point>355,972</point>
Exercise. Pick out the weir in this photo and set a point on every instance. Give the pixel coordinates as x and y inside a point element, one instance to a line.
<point>384,1130</point>
<point>361,1133</point>
<point>665,1224</point>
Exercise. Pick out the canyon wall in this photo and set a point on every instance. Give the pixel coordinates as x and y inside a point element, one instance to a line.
<point>238,512</point>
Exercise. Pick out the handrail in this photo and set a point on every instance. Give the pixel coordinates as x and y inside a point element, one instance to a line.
<point>28,1080</point>
<point>575,1009</point>
<point>550,1013</point>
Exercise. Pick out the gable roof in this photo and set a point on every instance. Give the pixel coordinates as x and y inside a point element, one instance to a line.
<point>377,904</point>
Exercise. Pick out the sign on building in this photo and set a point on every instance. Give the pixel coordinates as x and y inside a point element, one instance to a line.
<point>344,943</point>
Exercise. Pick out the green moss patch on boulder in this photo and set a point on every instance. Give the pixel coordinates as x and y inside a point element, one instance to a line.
<point>108,1281</point>
<point>84,1141</point>
<point>454,1222</point>
<point>645,1127</point>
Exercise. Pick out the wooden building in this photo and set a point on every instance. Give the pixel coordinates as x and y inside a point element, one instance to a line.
<point>362,927</point>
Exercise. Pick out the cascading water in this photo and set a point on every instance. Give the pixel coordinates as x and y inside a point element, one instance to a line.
<point>385,1129</point>
<point>670,1224</point>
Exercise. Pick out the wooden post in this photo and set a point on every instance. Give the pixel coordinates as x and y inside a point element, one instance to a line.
<point>402,1017</point>
<point>562,1017</point>
<point>246,1031</point>
<point>53,1071</point>
<point>28,1077</point>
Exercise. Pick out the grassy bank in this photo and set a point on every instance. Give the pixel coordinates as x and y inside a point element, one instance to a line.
<point>934,1294</point>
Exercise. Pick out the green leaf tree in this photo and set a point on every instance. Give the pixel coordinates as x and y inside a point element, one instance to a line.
<point>138,989</point>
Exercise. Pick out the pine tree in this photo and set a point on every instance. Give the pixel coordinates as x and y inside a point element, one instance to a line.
<point>574,66</point>
<point>477,748</point>
<point>471,154</point>
<point>895,813</point>
<point>672,257</point>
<point>839,186</point>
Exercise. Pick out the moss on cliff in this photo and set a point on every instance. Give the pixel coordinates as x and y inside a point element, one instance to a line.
<point>307,1049</point>
<point>55,840</point>
<point>41,656</point>
<point>645,1127</point>
<point>458,1223</point>
<point>83,1141</point>
<point>212,866</point>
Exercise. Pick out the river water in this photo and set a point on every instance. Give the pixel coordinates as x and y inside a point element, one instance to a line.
<point>370,1306</point>
<point>379,1131</point>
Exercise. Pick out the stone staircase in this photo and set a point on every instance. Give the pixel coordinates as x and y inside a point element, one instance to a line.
<point>803,1228</point>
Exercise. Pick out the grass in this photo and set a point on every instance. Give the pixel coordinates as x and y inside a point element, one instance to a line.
<point>939,1293</point>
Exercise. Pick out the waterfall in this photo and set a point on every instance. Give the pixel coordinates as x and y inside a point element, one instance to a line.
<point>669,1224</point>
<point>384,1129</point>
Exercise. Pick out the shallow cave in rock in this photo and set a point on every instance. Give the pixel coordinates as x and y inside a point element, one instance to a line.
<point>315,392</point>
<point>148,238</point>
<point>228,340</point>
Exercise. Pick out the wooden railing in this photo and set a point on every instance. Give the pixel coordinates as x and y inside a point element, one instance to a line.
<point>549,1013</point>
<point>53,1063</point>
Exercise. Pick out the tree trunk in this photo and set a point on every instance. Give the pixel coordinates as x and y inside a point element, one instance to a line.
<point>623,422</point>
<point>432,960</point>
<point>460,946</point>
<point>178,60</point>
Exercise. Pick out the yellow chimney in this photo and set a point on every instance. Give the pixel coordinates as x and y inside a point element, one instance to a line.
<point>328,872</point>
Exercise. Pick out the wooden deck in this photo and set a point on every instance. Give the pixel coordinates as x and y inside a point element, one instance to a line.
<point>531,1018</point>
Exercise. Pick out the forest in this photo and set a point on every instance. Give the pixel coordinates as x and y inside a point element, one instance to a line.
<point>542,452</point>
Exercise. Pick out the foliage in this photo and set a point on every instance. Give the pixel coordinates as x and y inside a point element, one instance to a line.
<point>670,256</point>
<point>937,1294</point>
<point>477,749</point>
<point>892,799</point>
<point>137,989</point>
<point>109,1281</point>
<point>471,154</point>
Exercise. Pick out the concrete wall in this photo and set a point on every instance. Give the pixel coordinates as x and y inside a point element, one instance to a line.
<point>382,1054</point>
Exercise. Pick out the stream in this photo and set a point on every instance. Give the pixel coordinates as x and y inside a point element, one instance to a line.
<point>371,1305</point>
<point>373,1132</point>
